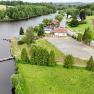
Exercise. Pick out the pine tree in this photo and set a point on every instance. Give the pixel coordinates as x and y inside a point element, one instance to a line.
<point>21,31</point>
<point>52,61</point>
<point>87,36</point>
<point>68,61</point>
<point>24,56</point>
<point>41,30</point>
<point>90,64</point>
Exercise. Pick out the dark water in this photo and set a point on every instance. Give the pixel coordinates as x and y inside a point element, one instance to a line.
<point>9,30</point>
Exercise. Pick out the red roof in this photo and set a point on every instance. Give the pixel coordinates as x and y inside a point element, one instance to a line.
<point>60,30</point>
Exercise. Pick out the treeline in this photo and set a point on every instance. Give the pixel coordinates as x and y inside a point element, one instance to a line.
<point>74,10</point>
<point>38,56</point>
<point>19,12</point>
<point>12,3</point>
<point>28,11</point>
<point>89,9</point>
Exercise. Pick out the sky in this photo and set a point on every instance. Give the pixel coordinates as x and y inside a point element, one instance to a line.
<point>65,1</point>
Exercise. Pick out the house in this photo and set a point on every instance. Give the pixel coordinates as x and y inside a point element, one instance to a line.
<point>60,32</point>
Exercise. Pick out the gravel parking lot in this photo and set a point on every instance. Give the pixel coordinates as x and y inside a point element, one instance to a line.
<point>70,46</point>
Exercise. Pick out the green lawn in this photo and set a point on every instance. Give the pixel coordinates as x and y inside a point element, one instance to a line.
<point>82,27</point>
<point>56,80</point>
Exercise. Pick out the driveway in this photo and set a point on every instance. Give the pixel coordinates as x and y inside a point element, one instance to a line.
<point>70,46</point>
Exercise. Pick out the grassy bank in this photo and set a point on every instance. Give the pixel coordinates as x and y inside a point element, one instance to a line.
<point>56,80</point>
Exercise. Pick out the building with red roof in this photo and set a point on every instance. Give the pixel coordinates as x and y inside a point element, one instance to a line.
<point>60,32</point>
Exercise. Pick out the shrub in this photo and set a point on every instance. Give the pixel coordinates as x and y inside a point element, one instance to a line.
<point>18,83</point>
<point>68,61</point>
<point>79,38</point>
<point>20,42</point>
<point>24,56</point>
<point>74,22</point>
<point>14,80</point>
<point>82,22</point>
<point>90,64</point>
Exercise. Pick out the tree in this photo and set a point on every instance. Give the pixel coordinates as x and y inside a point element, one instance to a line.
<point>82,14</point>
<point>90,64</point>
<point>87,36</point>
<point>52,61</point>
<point>21,31</point>
<point>41,30</point>
<point>46,22</point>
<point>29,36</point>
<point>74,22</point>
<point>41,56</point>
<point>79,38</point>
<point>68,61</point>
<point>24,56</point>
<point>59,17</point>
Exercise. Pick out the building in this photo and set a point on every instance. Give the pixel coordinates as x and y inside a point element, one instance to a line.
<point>48,29</point>
<point>60,32</point>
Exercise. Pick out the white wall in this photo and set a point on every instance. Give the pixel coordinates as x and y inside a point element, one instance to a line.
<point>60,34</point>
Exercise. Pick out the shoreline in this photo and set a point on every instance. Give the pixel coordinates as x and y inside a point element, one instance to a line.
<point>23,19</point>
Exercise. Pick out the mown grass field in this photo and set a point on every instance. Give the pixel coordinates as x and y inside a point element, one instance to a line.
<point>81,27</point>
<point>56,80</point>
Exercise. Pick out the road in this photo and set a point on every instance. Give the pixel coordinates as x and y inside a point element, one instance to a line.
<point>67,45</point>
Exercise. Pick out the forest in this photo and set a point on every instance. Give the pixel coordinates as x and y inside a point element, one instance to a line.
<point>19,10</point>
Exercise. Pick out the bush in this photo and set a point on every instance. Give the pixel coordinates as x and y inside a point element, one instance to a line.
<point>82,22</point>
<point>20,42</point>
<point>68,61</point>
<point>14,80</point>
<point>90,64</point>
<point>74,22</point>
<point>79,38</point>
<point>18,83</point>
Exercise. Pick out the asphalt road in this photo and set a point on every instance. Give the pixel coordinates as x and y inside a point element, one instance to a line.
<point>70,46</point>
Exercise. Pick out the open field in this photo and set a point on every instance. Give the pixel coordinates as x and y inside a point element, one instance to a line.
<point>2,7</point>
<point>56,80</point>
